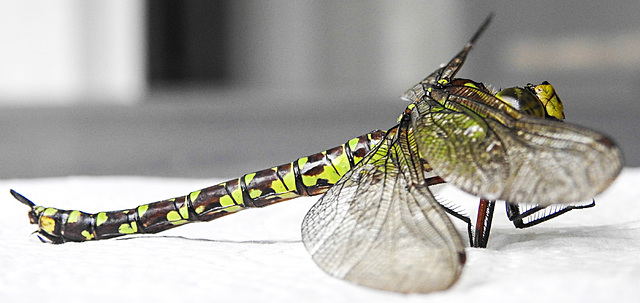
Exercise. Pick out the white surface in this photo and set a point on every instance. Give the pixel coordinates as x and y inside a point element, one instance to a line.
<point>589,255</point>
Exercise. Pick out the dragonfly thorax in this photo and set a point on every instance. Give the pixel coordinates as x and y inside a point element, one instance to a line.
<point>539,101</point>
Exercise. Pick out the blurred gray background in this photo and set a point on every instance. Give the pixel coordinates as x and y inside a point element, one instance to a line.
<point>222,88</point>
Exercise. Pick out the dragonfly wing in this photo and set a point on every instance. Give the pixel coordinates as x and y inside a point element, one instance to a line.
<point>499,154</point>
<point>373,229</point>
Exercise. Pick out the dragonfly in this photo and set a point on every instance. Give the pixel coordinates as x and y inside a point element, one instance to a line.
<point>378,224</point>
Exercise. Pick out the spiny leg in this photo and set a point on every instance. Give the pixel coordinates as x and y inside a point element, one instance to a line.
<point>483,223</point>
<point>516,216</point>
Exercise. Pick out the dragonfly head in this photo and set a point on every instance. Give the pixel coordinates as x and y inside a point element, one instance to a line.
<point>536,100</point>
<point>549,98</point>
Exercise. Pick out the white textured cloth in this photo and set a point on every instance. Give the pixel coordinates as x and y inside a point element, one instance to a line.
<point>590,255</point>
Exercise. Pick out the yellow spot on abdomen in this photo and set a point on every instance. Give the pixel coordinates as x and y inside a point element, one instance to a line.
<point>128,228</point>
<point>249,177</point>
<point>184,211</point>
<point>237,195</point>
<point>101,218</point>
<point>49,212</point>
<point>174,218</point>
<point>290,180</point>
<point>194,195</point>
<point>302,162</point>
<point>277,185</point>
<point>233,209</point>
<point>142,209</point>
<point>226,200</point>
<point>341,163</point>
<point>73,216</point>
<point>47,224</point>
<point>86,235</point>
<point>254,193</point>
<point>199,209</point>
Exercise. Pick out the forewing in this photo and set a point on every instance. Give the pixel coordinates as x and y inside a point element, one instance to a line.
<point>496,154</point>
<point>372,229</point>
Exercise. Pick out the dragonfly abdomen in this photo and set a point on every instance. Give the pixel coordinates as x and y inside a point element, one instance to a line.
<point>307,176</point>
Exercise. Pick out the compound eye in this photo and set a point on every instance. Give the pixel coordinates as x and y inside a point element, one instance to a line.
<point>522,100</point>
<point>549,99</point>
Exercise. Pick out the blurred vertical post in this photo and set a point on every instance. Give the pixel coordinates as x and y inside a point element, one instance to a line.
<point>71,52</point>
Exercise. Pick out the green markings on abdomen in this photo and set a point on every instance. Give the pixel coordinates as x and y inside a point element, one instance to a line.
<point>47,221</point>
<point>218,200</point>
<point>128,228</point>
<point>101,218</point>
<point>339,159</point>
<point>73,216</point>
<point>310,175</point>
<point>142,209</point>
<point>318,172</point>
<point>271,185</point>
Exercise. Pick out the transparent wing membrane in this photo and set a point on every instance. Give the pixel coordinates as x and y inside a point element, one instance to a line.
<point>381,228</point>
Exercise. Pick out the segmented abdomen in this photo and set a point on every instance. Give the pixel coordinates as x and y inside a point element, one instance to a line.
<point>307,176</point>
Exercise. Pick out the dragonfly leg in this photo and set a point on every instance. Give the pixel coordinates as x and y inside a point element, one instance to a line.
<point>483,223</point>
<point>517,217</point>
<point>438,180</point>
<point>462,217</point>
